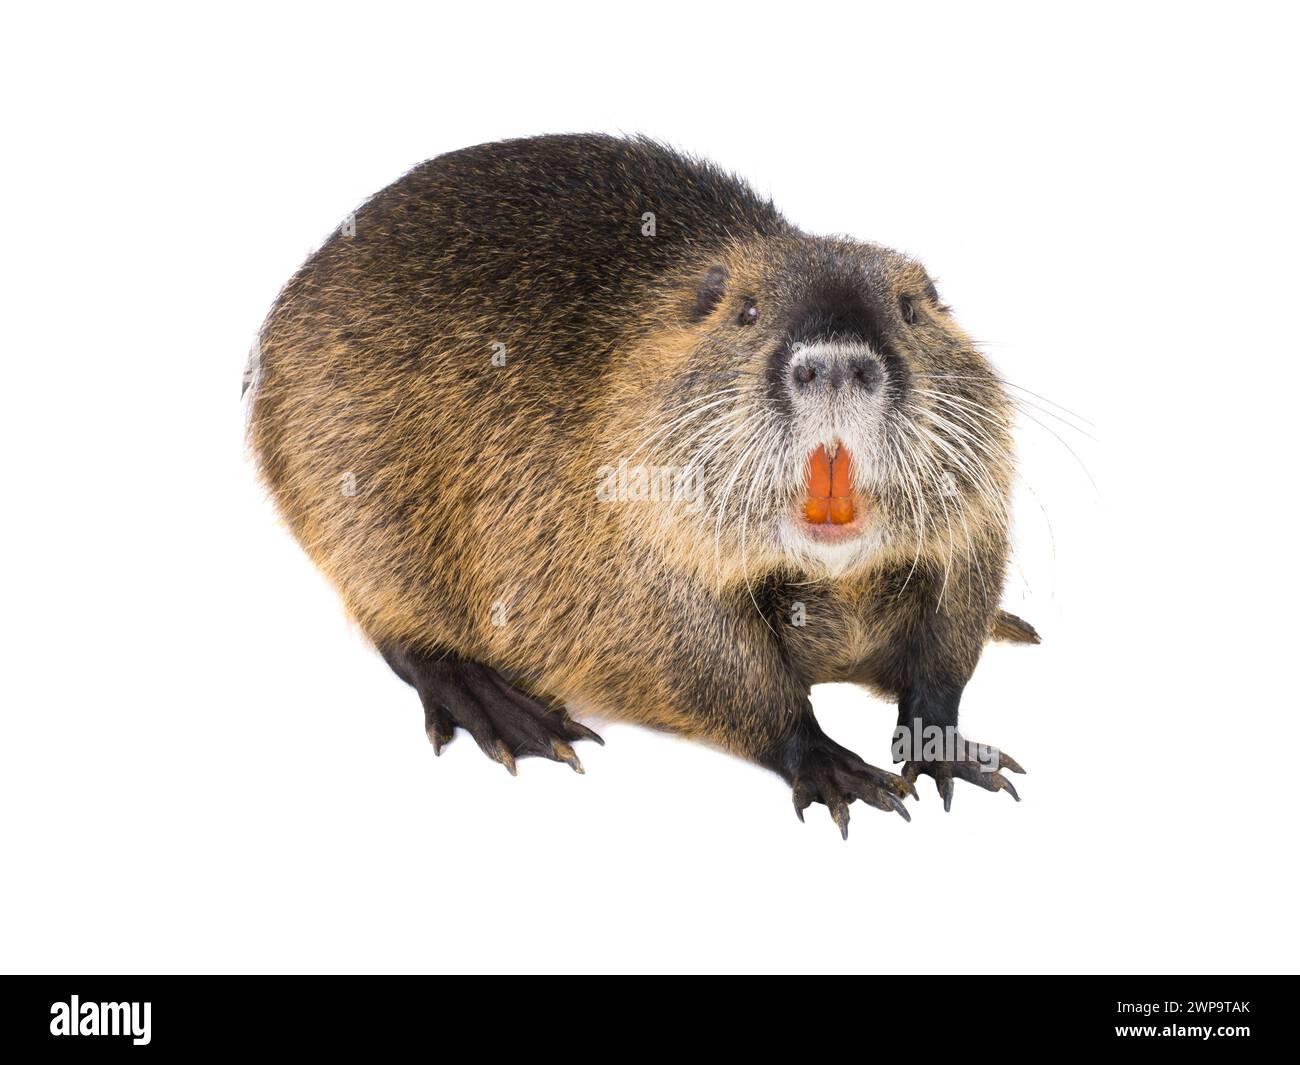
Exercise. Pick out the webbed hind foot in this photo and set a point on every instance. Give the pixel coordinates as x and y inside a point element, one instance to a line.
<point>506,723</point>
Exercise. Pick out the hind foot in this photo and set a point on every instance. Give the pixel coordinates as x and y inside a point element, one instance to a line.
<point>505,722</point>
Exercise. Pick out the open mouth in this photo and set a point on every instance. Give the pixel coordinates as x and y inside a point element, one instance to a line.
<point>829,510</point>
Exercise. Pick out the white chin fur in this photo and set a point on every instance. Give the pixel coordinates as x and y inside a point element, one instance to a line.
<point>820,559</point>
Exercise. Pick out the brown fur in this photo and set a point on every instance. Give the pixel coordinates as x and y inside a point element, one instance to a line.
<point>474,530</point>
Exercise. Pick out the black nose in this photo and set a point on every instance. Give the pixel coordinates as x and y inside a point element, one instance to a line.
<point>808,372</point>
<point>863,373</point>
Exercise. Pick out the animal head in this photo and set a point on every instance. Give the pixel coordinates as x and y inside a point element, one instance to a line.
<point>824,411</point>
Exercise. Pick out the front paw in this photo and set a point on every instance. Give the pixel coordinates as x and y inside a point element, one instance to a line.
<point>820,770</point>
<point>974,763</point>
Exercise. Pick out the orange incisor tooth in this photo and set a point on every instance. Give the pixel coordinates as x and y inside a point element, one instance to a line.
<point>816,510</point>
<point>830,491</point>
<point>840,486</point>
<point>841,509</point>
<point>819,474</point>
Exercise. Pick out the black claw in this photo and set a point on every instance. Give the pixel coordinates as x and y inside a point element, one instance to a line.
<point>840,815</point>
<point>585,733</point>
<point>897,804</point>
<point>501,753</point>
<point>439,728</point>
<point>801,801</point>
<point>566,754</point>
<point>1008,786</point>
<point>437,738</point>
<point>1009,763</point>
<point>946,790</point>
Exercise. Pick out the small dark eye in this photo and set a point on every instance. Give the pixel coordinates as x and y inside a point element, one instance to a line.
<point>749,315</point>
<point>907,306</point>
<point>804,374</point>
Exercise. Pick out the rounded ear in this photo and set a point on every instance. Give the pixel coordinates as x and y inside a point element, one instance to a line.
<point>712,287</point>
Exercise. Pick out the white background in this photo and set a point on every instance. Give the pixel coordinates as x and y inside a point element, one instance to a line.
<point>204,768</point>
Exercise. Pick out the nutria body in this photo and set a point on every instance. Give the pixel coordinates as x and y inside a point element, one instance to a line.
<point>576,421</point>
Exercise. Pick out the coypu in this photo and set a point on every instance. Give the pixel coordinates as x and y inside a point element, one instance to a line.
<point>579,422</point>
